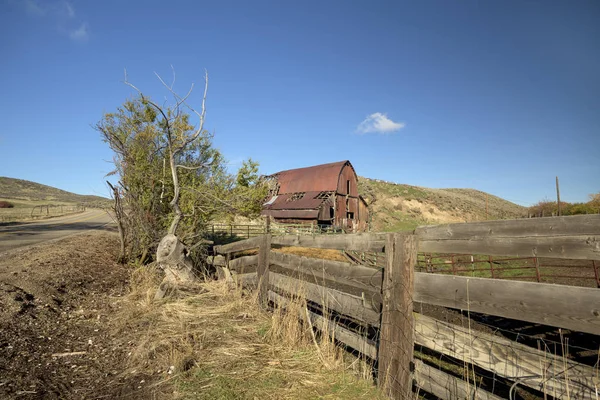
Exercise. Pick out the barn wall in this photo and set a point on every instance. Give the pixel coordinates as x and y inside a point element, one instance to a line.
<point>348,174</point>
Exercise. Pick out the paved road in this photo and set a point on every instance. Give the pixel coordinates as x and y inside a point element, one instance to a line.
<point>24,234</point>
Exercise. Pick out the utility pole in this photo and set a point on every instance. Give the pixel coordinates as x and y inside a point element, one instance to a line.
<point>558,196</point>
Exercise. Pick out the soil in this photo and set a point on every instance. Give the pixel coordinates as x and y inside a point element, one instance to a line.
<point>56,339</point>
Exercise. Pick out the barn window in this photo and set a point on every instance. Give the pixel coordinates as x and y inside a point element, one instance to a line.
<point>331,212</point>
<point>348,186</point>
<point>323,195</point>
<point>350,215</point>
<point>296,196</point>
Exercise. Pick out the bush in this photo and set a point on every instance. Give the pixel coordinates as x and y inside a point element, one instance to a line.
<point>6,204</point>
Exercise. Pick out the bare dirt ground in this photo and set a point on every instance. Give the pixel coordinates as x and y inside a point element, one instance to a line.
<point>76,325</point>
<point>56,299</point>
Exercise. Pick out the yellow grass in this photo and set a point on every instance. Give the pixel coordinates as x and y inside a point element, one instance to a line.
<point>219,344</point>
<point>325,254</point>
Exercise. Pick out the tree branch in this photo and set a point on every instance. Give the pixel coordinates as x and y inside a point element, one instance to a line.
<point>196,167</point>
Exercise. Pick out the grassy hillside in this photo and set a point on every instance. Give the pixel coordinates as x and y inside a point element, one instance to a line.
<point>24,193</point>
<point>403,207</point>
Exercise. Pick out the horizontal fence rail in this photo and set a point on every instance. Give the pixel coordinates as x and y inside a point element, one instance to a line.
<point>573,237</point>
<point>367,306</point>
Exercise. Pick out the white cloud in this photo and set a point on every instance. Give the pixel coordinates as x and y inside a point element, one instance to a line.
<point>63,14</point>
<point>79,34</point>
<point>379,123</point>
<point>69,9</point>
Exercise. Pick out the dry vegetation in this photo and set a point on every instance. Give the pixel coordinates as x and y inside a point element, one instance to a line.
<point>397,207</point>
<point>218,344</point>
<point>26,191</point>
<point>75,324</point>
<point>35,201</point>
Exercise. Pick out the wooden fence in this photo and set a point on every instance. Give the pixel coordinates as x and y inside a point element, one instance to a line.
<point>38,212</point>
<point>370,310</point>
<point>274,228</point>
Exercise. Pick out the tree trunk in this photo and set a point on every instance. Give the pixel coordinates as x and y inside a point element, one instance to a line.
<point>172,257</point>
<point>119,216</point>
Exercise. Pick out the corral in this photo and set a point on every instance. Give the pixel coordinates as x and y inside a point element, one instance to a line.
<point>514,339</point>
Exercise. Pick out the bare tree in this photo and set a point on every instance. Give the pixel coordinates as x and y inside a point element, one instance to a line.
<point>172,255</point>
<point>119,217</point>
<point>146,136</point>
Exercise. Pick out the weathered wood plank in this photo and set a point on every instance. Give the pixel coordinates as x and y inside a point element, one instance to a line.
<point>239,264</point>
<point>370,295</point>
<point>335,268</point>
<point>575,308</point>
<point>396,335</point>
<point>576,225</point>
<point>349,338</point>
<point>360,281</point>
<point>242,245</point>
<point>217,261</point>
<point>246,280</point>
<point>531,367</point>
<point>572,237</point>
<point>340,302</point>
<point>262,270</point>
<point>567,247</point>
<point>355,241</point>
<point>447,387</point>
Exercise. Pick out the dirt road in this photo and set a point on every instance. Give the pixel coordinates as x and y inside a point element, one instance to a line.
<point>23,234</point>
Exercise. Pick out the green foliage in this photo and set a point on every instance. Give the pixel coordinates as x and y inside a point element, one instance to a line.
<point>250,190</point>
<point>547,208</point>
<point>142,140</point>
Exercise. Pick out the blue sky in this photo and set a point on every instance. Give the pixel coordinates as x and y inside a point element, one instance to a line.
<point>499,96</point>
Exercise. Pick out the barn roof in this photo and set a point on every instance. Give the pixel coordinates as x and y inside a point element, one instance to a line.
<point>287,201</point>
<point>318,178</point>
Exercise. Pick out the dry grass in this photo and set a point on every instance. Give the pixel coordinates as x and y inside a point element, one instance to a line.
<point>325,254</point>
<point>219,344</point>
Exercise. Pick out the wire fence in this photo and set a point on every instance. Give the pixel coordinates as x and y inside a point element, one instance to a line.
<point>38,212</point>
<point>584,273</point>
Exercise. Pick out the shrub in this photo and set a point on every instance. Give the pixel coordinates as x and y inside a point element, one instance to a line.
<point>6,204</point>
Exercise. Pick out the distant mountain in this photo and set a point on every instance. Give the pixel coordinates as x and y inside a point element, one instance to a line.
<point>403,207</point>
<point>19,189</point>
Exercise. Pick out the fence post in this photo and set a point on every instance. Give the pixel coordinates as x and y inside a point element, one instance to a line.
<point>262,272</point>
<point>596,274</point>
<point>396,340</point>
<point>491,262</point>
<point>536,262</point>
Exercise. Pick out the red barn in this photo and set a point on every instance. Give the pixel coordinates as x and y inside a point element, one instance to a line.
<point>324,194</point>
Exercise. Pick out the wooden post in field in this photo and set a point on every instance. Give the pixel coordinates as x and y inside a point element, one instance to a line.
<point>558,196</point>
<point>262,272</point>
<point>396,341</point>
